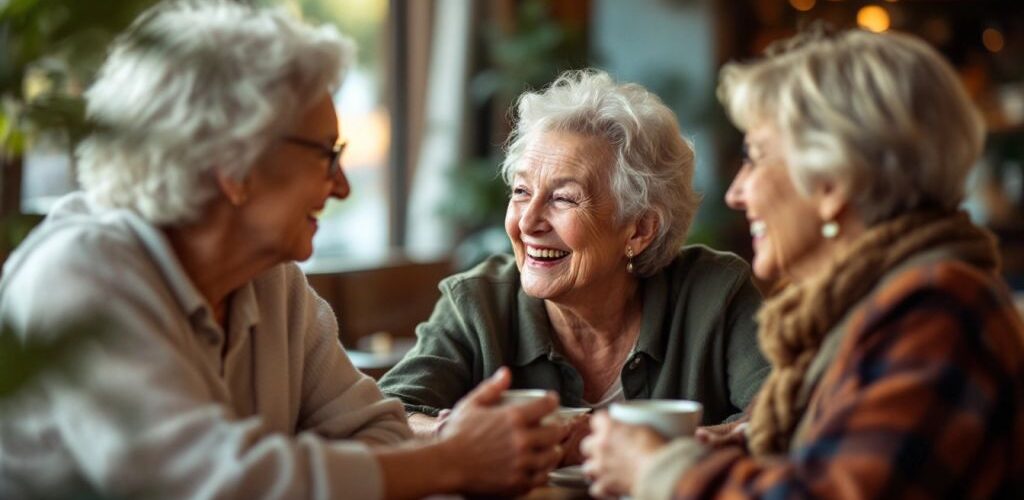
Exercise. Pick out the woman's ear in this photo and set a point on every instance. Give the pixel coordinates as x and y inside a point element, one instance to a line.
<point>832,199</point>
<point>234,190</point>
<point>643,231</point>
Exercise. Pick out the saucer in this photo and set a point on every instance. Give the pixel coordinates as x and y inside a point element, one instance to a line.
<point>569,477</point>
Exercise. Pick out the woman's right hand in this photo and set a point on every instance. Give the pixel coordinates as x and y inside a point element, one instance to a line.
<point>501,449</point>
<point>718,436</point>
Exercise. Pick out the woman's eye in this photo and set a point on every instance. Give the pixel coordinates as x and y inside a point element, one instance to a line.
<point>566,200</point>
<point>745,154</point>
<point>519,192</point>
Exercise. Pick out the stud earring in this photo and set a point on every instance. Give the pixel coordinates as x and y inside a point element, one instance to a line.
<point>629,260</point>
<point>830,229</point>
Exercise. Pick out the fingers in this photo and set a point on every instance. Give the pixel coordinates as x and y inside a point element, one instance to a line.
<point>489,391</point>
<point>545,436</point>
<point>544,459</point>
<point>600,423</point>
<point>704,436</point>
<point>534,411</point>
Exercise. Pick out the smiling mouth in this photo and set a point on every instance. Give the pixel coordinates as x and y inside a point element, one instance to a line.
<point>757,228</point>
<point>546,254</point>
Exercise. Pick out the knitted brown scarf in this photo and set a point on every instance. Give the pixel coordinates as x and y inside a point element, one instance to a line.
<point>794,323</point>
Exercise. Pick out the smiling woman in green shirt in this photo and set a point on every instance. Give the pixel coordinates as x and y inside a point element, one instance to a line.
<point>601,301</point>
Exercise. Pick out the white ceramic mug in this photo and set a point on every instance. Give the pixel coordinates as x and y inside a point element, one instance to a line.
<point>671,418</point>
<point>514,397</point>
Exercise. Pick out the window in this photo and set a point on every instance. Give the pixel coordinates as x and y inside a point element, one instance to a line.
<point>356,228</point>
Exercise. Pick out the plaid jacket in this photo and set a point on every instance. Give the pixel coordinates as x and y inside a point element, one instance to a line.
<point>925,399</point>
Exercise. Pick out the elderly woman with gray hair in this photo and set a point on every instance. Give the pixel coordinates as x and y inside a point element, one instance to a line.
<point>897,355</point>
<point>601,302</point>
<point>221,375</point>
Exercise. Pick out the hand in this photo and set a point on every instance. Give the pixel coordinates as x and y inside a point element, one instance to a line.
<point>616,452</point>
<point>579,428</point>
<point>717,436</point>
<point>501,450</point>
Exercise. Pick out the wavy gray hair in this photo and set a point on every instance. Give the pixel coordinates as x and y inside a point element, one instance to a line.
<point>884,114</point>
<point>197,85</point>
<point>653,169</point>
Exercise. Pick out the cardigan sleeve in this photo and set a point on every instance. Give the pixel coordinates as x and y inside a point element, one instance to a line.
<point>338,401</point>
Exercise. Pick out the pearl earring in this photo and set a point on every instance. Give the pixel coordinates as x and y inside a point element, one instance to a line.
<point>629,261</point>
<point>830,229</point>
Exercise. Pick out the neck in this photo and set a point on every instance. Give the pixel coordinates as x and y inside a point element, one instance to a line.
<point>213,258</point>
<point>851,229</point>
<point>600,323</point>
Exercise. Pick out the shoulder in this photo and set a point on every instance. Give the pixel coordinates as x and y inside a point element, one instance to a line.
<point>949,280</point>
<point>284,290</point>
<point>698,266</point>
<point>947,302</point>
<point>74,268</point>
<point>498,275</point>
<point>74,250</point>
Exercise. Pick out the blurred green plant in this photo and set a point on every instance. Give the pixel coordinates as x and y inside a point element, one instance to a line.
<point>51,48</point>
<point>23,361</point>
<point>533,55</point>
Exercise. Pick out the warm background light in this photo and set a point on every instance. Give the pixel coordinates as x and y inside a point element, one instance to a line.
<point>993,40</point>
<point>873,18</point>
<point>802,5</point>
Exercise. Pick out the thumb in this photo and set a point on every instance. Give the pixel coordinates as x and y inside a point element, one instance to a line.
<point>489,391</point>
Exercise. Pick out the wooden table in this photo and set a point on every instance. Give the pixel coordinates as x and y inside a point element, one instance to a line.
<point>543,492</point>
<point>556,492</point>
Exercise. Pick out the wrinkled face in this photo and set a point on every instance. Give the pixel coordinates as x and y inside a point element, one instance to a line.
<point>290,185</point>
<point>561,218</point>
<point>784,224</point>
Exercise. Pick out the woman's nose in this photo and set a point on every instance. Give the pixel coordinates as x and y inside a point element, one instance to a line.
<point>531,219</point>
<point>341,188</point>
<point>735,196</point>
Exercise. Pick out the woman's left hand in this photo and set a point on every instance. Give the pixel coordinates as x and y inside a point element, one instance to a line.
<point>616,452</point>
<point>579,429</point>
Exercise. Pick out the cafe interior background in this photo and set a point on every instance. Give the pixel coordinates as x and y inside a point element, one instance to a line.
<point>426,111</point>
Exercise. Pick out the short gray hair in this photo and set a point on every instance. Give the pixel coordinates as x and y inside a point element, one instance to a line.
<point>883,114</point>
<point>653,169</point>
<point>196,85</point>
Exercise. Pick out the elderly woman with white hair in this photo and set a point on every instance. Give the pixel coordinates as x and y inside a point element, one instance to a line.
<point>601,301</point>
<point>897,355</point>
<point>220,374</point>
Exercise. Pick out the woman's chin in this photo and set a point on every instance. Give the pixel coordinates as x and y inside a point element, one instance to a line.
<point>539,289</point>
<point>765,271</point>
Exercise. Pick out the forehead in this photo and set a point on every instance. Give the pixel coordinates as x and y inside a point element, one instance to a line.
<point>763,138</point>
<point>583,158</point>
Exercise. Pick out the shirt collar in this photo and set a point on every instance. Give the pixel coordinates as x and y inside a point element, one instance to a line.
<point>160,251</point>
<point>244,311</point>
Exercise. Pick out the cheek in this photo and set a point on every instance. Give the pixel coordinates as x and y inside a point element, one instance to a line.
<point>511,221</point>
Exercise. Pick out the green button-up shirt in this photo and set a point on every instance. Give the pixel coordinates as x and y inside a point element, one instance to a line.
<point>698,339</point>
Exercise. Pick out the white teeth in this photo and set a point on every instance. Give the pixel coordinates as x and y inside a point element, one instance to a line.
<point>758,228</point>
<point>316,214</point>
<point>545,253</point>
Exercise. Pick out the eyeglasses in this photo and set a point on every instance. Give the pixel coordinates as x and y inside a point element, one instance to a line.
<point>333,153</point>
